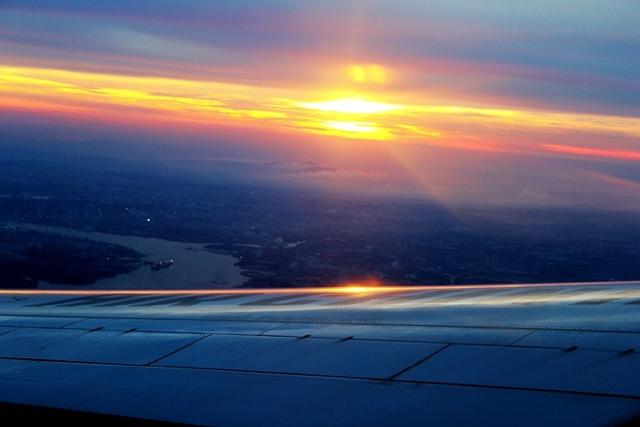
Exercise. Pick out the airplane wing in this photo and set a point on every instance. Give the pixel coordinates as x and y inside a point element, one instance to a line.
<point>553,354</point>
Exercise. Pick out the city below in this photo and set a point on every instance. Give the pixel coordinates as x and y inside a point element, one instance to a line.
<point>65,228</point>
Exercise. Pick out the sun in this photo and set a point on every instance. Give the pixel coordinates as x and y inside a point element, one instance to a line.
<point>355,117</point>
<point>368,73</point>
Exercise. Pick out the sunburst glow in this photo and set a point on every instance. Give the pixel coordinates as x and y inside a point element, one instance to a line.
<point>368,73</point>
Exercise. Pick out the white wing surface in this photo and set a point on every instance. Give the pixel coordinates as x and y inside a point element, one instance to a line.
<point>556,354</point>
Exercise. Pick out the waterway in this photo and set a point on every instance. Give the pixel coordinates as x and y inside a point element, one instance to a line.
<point>193,266</point>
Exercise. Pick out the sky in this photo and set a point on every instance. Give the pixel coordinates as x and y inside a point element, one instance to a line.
<point>487,102</point>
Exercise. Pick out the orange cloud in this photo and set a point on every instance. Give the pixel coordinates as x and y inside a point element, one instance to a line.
<point>627,155</point>
<point>345,112</point>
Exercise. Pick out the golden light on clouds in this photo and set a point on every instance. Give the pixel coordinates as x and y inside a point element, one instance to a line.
<point>359,130</point>
<point>350,106</point>
<point>352,126</point>
<point>344,117</point>
<point>355,112</point>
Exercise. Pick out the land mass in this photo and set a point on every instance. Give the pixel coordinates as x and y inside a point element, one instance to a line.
<point>28,257</point>
<point>304,238</point>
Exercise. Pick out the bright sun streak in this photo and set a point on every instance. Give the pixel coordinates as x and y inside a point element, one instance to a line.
<point>352,126</point>
<point>350,106</point>
<point>338,117</point>
<point>358,130</point>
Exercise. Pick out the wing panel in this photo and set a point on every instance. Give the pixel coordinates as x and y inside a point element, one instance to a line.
<point>91,346</point>
<point>554,369</point>
<point>315,356</point>
<point>236,399</point>
<point>400,332</point>
<point>179,325</point>
<point>612,341</point>
<point>37,321</point>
